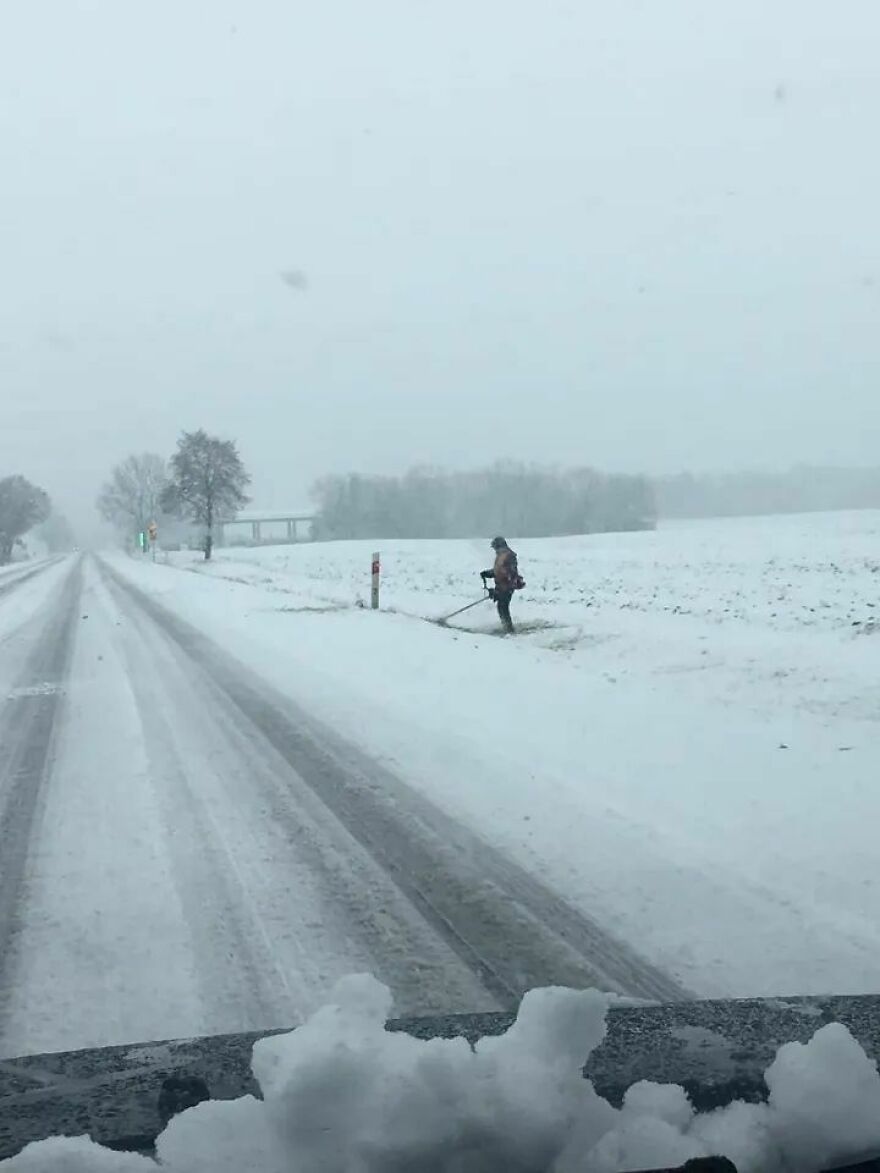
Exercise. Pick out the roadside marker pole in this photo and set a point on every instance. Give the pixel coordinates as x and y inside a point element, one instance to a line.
<point>374,600</point>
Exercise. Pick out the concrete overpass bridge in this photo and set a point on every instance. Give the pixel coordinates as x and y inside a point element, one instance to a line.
<point>266,526</point>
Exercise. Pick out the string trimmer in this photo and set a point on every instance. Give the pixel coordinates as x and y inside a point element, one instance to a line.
<point>442,622</point>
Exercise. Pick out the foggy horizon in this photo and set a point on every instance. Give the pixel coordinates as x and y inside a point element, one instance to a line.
<point>639,240</point>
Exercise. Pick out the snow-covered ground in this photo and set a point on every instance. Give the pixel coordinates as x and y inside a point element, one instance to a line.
<point>25,590</point>
<point>163,870</point>
<point>682,740</point>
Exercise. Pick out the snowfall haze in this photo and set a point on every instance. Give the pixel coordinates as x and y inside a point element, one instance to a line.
<point>639,236</point>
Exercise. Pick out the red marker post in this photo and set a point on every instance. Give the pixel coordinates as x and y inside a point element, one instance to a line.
<point>374,598</point>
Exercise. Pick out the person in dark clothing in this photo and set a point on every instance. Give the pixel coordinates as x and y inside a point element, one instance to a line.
<point>505,572</point>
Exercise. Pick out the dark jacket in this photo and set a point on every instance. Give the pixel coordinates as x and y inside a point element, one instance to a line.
<point>505,571</point>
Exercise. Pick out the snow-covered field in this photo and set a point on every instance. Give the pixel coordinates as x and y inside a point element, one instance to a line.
<point>682,739</point>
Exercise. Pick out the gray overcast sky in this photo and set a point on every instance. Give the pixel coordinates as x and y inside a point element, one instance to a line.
<point>640,234</point>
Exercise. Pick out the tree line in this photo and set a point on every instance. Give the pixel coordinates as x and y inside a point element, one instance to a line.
<point>801,489</point>
<point>506,498</point>
<point>203,482</point>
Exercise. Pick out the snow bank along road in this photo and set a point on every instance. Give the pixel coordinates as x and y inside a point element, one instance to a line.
<point>17,574</point>
<point>184,850</point>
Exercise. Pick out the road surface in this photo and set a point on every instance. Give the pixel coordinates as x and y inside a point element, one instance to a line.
<point>185,851</point>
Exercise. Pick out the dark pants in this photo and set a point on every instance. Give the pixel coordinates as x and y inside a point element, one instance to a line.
<point>502,601</point>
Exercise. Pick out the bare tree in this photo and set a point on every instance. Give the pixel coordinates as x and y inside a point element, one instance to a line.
<point>22,506</point>
<point>208,482</point>
<point>131,498</point>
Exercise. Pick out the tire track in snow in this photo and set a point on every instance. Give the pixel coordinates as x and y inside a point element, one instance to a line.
<point>9,582</point>
<point>279,899</point>
<point>27,722</point>
<point>232,967</point>
<point>508,928</point>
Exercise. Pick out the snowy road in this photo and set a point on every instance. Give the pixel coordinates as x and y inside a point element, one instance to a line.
<point>15,576</point>
<point>185,851</point>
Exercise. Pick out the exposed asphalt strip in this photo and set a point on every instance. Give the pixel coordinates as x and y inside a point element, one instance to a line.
<point>508,927</point>
<point>28,717</point>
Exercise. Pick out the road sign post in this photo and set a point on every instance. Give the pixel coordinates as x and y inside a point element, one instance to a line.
<point>374,597</point>
<point>153,532</point>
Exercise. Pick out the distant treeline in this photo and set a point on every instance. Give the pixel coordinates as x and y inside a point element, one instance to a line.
<point>508,499</point>
<point>526,501</point>
<point>801,489</point>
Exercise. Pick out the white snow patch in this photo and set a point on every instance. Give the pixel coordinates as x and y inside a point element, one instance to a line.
<point>343,1094</point>
<point>75,1154</point>
<point>45,688</point>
